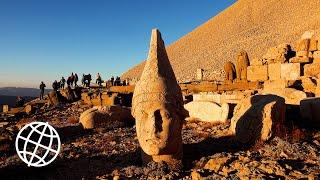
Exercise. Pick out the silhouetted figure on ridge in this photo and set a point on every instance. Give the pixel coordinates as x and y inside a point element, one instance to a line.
<point>98,80</point>
<point>62,83</point>
<point>76,79</point>
<point>83,80</point>
<point>55,85</point>
<point>42,86</point>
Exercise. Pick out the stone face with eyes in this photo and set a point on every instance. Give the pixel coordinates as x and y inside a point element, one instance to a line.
<point>157,106</point>
<point>158,128</point>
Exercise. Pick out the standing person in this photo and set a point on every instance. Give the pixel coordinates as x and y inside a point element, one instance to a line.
<point>71,79</point>
<point>42,86</point>
<point>117,81</point>
<point>62,82</point>
<point>76,79</point>
<point>112,81</point>
<point>98,80</point>
<point>89,80</point>
<point>83,81</point>
<point>124,82</point>
<point>55,85</point>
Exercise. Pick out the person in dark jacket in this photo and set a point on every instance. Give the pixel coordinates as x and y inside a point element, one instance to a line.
<point>62,83</point>
<point>42,87</point>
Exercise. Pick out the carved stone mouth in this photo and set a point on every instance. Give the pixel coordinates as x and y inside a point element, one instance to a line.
<point>153,141</point>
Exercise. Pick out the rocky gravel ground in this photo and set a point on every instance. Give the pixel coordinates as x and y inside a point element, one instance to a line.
<point>113,153</point>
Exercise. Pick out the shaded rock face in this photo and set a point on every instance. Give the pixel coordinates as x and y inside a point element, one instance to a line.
<point>157,106</point>
<point>67,94</point>
<point>310,111</point>
<point>106,117</point>
<point>54,98</point>
<point>257,117</point>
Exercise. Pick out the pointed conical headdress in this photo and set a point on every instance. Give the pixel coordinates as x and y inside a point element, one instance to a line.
<point>158,82</point>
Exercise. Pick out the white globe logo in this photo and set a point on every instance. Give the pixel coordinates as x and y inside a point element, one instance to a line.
<point>38,144</point>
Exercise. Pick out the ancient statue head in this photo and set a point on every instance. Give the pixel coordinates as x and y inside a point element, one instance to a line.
<point>243,56</point>
<point>157,105</point>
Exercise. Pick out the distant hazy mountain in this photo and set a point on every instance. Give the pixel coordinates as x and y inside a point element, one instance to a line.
<point>17,91</point>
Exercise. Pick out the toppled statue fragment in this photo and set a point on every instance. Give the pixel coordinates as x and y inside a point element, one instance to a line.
<point>158,108</point>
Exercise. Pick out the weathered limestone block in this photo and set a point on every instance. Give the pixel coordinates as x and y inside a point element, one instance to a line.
<point>312,70</point>
<point>274,71</point>
<point>290,71</point>
<point>208,111</point>
<point>313,44</point>
<point>256,62</point>
<point>257,117</point>
<point>310,111</point>
<point>199,75</point>
<point>275,84</point>
<point>5,108</point>
<point>301,60</point>
<point>303,45</point>
<point>231,98</point>
<point>210,97</point>
<point>106,117</point>
<point>309,84</point>
<point>279,54</point>
<point>257,73</point>
<point>316,55</point>
<point>157,106</point>
<point>304,54</point>
<point>292,96</point>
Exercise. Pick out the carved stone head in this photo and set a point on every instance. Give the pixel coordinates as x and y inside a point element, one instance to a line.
<point>157,105</point>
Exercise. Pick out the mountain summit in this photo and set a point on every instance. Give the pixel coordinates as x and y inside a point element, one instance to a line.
<point>252,25</point>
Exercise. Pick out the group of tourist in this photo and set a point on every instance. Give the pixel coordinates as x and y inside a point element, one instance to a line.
<point>72,81</point>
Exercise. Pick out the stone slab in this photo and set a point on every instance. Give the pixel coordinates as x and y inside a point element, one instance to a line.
<point>257,73</point>
<point>312,70</point>
<point>274,71</point>
<point>290,71</point>
<point>275,84</point>
<point>291,96</point>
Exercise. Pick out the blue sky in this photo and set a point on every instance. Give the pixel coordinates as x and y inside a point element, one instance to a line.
<point>42,40</point>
